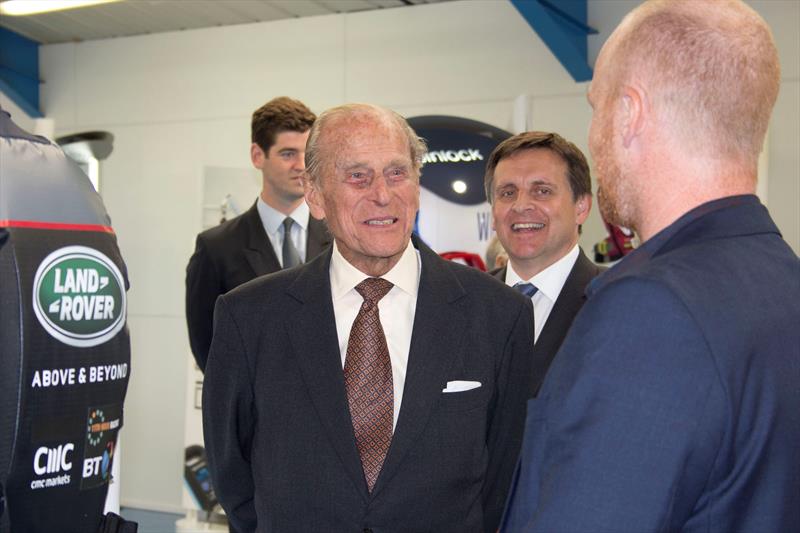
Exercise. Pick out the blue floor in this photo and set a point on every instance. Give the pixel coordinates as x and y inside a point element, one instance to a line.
<point>151,521</point>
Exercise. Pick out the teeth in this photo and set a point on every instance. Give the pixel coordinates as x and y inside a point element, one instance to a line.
<point>384,222</point>
<point>527,225</point>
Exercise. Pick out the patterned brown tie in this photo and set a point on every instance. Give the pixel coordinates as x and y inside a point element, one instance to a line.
<point>368,380</point>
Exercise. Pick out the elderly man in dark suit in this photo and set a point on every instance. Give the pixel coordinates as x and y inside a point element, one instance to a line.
<point>378,387</point>
<point>541,192</point>
<point>255,243</point>
<point>673,403</point>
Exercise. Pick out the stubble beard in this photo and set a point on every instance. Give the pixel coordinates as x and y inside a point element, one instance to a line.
<point>615,196</point>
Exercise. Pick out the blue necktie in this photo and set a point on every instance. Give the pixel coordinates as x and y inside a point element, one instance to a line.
<point>528,289</point>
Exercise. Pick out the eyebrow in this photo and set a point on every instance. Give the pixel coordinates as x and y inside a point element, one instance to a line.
<point>360,164</point>
<point>352,166</point>
<point>538,181</point>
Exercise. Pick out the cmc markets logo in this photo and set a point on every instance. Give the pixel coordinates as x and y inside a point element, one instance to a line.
<point>55,463</point>
<point>79,296</point>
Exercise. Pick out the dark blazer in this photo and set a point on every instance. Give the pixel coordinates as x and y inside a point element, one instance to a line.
<point>277,427</point>
<point>226,256</point>
<point>673,403</point>
<point>569,302</point>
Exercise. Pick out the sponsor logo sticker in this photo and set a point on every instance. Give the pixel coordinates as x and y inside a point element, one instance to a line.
<point>79,296</point>
<point>52,466</point>
<point>101,437</point>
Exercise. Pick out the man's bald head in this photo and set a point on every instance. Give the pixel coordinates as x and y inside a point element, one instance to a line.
<point>334,126</point>
<point>710,68</point>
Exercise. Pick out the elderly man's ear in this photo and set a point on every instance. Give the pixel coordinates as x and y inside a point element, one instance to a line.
<point>314,198</point>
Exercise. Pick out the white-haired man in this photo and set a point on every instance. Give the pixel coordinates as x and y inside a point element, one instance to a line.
<point>378,387</point>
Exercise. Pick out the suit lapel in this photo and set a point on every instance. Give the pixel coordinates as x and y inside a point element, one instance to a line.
<point>258,251</point>
<point>312,330</point>
<point>499,274</point>
<point>569,302</point>
<point>436,333</point>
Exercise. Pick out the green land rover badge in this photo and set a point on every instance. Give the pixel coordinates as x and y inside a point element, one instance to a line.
<point>79,296</point>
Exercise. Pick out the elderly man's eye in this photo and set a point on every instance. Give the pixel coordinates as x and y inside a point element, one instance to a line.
<point>357,178</point>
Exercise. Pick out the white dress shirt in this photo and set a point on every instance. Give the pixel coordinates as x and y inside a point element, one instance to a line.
<point>549,281</point>
<point>272,219</point>
<point>396,310</point>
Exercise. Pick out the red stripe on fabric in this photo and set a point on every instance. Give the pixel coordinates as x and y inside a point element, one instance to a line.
<point>35,224</point>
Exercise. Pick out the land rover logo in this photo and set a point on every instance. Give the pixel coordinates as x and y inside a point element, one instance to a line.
<point>79,296</point>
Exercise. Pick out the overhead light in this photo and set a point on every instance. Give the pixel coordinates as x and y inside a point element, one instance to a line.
<point>32,7</point>
<point>459,186</point>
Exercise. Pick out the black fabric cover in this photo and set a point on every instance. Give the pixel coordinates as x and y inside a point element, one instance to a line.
<point>64,345</point>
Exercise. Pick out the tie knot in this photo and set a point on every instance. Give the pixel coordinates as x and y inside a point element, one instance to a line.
<point>287,225</point>
<point>373,289</point>
<point>528,289</point>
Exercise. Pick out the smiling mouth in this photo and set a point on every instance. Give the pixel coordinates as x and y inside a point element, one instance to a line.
<point>527,226</point>
<point>388,221</point>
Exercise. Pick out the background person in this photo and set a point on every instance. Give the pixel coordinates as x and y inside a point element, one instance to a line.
<point>540,189</point>
<point>496,256</point>
<point>254,243</point>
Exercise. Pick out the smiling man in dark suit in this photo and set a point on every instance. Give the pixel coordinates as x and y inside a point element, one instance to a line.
<point>541,192</point>
<point>378,387</point>
<point>255,243</point>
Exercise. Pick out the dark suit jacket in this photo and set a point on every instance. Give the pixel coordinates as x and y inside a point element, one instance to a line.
<point>673,403</point>
<point>569,302</point>
<point>226,256</point>
<point>277,427</point>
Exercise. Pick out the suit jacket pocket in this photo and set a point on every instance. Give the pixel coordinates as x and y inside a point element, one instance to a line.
<point>465,400</point>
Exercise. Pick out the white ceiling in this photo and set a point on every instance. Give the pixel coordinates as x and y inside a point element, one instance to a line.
<point>139,17</point>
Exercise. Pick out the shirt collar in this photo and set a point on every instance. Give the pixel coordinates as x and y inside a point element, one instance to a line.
<point>272,219</point>
<point>551,280</point>
<point>404,275</point>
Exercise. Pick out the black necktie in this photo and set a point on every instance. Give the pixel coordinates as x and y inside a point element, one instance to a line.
<point>528,289</point>
<point>290,256</point>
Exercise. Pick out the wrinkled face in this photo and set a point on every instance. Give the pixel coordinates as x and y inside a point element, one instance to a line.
<point>368,192</point>
<point>614,191</point>
<point>282,168</point>
<point>534,213</point>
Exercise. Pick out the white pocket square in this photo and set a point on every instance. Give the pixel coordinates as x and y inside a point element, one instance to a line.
<point>461,386</point>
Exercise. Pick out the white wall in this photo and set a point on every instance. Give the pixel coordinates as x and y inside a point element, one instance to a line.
<point>17,114</point>
<point>179,102</point>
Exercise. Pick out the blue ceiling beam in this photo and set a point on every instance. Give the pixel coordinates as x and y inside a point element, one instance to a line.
<point>19,71</point>
<point>562,25</point>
